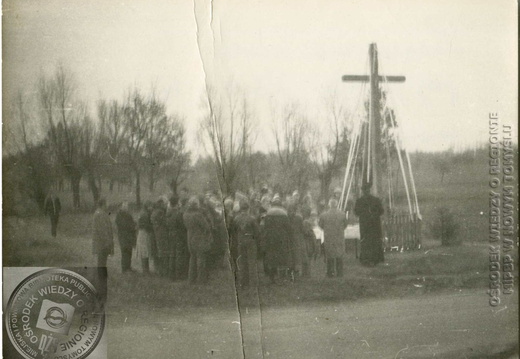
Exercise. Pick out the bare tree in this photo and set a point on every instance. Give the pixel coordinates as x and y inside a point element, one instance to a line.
<point>136,123</point>
<point>227,126</point>
<point>55,95</point>
<point>91,142</point>
<point>31,167</point>
<point>21,131</point>
<point>178,165</point>
<point>330,144</point>
<point>291,131</point>
<point>23,116</point>
<point>157,138</point>
<point>110,115</point>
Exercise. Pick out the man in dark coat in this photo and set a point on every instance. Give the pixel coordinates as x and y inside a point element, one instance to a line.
<point>229,217</point>
<point>162,238</point>
<point>369,210</point>
<point>177,233</point>
<point>102,235</point>
<point>126,235</point>
<point>219,234</point>
<point>182,254</point>
<point>276,234</point>
<point>333,222</point>
<point>199,241</point>
<point>145,237</point>
<point>298,252</point>
<point>52,208</point>
<point>309,239</point>
<point>244,231</point>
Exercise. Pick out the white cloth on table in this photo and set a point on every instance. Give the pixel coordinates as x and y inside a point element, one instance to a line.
<point>318,232</point>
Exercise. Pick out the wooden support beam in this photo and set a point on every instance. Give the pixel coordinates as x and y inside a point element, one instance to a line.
<point>366,78</point>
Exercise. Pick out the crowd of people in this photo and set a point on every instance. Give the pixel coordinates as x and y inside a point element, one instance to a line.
<point>188,237</point>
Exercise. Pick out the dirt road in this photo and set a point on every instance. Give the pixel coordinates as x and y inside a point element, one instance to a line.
<point>459,325</point>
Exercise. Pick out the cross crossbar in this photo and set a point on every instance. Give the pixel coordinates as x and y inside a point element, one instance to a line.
<point>373,145</point>
<point>366,78</point>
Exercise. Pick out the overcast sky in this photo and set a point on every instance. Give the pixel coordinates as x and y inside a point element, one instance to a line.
<point>459,57</point>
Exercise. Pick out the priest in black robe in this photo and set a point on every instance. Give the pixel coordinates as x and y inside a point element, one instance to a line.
<point>369,210</point>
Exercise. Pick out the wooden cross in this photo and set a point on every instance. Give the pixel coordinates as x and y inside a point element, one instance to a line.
<point>374,174</point>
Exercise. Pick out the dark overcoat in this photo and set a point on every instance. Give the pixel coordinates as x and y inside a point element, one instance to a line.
<point>297,243</point>
<point>199,230</point>
<point>369,209</point>
<point>244,229</point>
<point>126,229</point>
<point>176,227</point>
<point>161,233</point>
<point>309,237</point>
<point>276,236</point>
<point>52,206</point>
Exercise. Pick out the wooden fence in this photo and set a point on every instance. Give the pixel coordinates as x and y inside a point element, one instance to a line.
<point>401,232</point>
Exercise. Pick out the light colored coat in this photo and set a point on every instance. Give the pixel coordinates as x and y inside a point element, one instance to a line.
<point>199,231</point>
<point>333,223</point>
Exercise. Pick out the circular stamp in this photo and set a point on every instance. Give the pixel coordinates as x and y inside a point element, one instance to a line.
<point>55,314</point>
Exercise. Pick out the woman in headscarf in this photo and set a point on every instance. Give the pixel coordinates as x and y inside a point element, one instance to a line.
<point>145,240</point>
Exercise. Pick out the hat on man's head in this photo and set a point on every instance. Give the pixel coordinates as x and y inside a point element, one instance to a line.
<point>277,200</point>
<point>194,202</point>
<point>174,199</point>
<point>244,204</point>
<point>228,202</point>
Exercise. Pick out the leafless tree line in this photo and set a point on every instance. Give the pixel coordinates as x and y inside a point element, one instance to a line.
<point>134,138</point>
<point>306,149</point>
<point>123,140</point>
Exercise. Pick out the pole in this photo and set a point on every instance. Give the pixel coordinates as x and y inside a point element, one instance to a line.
<point>375,123</point>
<point>371,171</point>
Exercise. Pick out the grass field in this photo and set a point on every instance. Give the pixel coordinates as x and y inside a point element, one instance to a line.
<point>432,268</point>
<point>139,301</point>
<point>464,190</point>
<point>148,314</point>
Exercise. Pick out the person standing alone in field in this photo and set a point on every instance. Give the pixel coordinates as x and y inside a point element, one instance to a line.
<point>199,241</point>
<point>244,231</point>
<point>334,223</point>
<point>369,209</point>
<point>52,208</point>
<point>102,235</point>
<point>126,235</point>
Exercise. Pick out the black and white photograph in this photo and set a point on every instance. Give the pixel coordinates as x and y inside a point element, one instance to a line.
<point>260,179</point>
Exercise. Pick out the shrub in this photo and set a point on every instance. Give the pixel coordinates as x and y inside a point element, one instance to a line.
<point>445,227</point>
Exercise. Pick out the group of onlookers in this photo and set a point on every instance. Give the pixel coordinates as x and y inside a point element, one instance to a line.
<point>182,238</point>
<point>188,238</point>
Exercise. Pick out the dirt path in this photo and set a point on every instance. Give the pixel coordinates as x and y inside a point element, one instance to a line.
<point>461,325</point>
